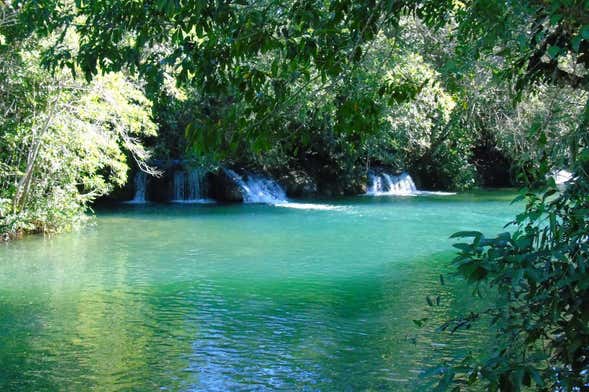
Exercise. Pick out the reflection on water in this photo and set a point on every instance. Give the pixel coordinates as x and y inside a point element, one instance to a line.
<point>238,297</point>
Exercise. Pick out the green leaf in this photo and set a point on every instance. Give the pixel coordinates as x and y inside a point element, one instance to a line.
<point>585,32</point>
<point>555,18</point>
<point>465,234</point>
<point>536,377</point>
<point>518,198</point>
<point>576,43</point>
<point>463,247</point>
<point>554,51</point>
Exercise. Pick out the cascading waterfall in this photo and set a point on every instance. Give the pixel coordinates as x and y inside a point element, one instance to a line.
<point>195,181</point>
<point>386,184</point>
<point>383,184</point>
<point>256,189</point>
<point>140,182</point>
<point>189,186</point>
<point>179,185</point>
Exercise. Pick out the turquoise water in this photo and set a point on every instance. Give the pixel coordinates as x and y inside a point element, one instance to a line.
<point>240,297</point>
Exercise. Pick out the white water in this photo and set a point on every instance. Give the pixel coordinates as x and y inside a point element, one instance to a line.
<point>140,182</point>
<point>257,189</point>
<point>190,187</point>
<point>310,206</point>
<point>384,184</point>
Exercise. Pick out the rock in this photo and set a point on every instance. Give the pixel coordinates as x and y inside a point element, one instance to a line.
<point>360,188</point>
<point>342,184</point>
<point>223,188</point>
<point>160,189</point>
<point>298,184</point>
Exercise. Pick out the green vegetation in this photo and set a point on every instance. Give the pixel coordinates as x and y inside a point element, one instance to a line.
<point>463,93</point>
<point>540,273</point>
<point>539,270</point>
<point>63,142</point>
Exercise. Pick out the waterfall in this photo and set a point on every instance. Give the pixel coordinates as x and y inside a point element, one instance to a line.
<point>189,186</point>
<point>256,189</point>
<point>386,184</point>
<point>140,182</point>
<point>196,185</point>
<point>179,185</point>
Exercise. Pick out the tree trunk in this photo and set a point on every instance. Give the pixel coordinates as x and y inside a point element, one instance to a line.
<point>24,184</point>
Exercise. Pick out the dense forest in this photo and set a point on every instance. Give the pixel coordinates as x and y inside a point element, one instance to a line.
<point>461,94</point>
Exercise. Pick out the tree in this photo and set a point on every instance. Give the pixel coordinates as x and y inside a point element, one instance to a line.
<point>63,142</point>
<point>539,271</point>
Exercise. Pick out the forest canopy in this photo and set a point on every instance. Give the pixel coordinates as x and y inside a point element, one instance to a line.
<point>284,76</point>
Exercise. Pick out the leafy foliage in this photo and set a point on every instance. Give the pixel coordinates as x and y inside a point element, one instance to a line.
<point>540,269</point>
<point>255,68</point>
<point>62,141</point>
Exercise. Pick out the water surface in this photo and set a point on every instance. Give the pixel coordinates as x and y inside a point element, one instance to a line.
<point>240,297</point>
